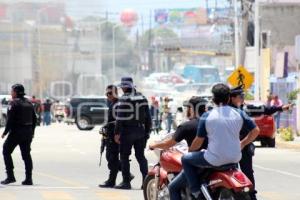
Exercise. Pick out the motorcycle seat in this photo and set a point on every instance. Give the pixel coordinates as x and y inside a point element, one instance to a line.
<point>226,167</point>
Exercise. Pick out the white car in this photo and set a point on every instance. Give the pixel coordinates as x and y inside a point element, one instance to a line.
<point>4,99</point>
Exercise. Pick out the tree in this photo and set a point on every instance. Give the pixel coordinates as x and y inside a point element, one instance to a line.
<point>150,35</point>
<point>126,54</point>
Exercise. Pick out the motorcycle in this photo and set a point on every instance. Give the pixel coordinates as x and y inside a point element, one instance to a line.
<point>221,183</point>
<point>59,113</point>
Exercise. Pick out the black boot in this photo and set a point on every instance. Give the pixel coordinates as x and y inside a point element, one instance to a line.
<point>108,184</point>
<point>111,182</point>
<point>10,179</point>
<point>124,185</point>
<point>28,180</point>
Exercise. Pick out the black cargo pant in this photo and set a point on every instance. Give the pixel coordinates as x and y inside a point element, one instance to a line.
<point>133,137</point>
<point>24,142</point>
<point>246,165</point>
<point>112,157</point>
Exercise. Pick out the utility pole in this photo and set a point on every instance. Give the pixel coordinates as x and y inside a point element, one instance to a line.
<point>246,8</point>
<point>150,50</point>
<point>236,34</point>
<point>257,52</point>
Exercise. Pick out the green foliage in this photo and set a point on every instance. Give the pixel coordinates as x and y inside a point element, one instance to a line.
<point>162,33</point>
<point>287,134</point>
<point>249,96</point>
<point>292,96</point>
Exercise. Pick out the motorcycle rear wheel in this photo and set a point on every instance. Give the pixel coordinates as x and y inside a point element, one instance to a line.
<point>242,196</point>
<point>226,194</point>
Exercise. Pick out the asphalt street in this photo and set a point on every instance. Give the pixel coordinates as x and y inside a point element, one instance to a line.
<point>66,167</point>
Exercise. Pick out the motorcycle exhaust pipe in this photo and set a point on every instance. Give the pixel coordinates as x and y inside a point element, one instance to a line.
<point>205,192</point>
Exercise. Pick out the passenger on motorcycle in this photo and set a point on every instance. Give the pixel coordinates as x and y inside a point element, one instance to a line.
<point>222,126</point>
<point>196,106</point>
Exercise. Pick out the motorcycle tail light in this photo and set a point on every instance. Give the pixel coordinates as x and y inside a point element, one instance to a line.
<point>240,177</point>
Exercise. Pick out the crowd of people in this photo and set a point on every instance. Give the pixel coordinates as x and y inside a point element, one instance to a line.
<point>47,110</point>
<point>131,120</point>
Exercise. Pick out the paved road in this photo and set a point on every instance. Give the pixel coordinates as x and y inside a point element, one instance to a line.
<point>66,168</point>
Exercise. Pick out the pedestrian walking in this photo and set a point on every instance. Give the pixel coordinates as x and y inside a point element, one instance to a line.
<point>168,114</point>
<point>269,100</point>
<point>20,128</point>
<point>47,112</point>
<point>276,102</point>
<point>154,112</point>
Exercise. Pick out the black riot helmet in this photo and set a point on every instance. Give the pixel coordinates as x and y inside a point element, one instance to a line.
<point>198,104</point>
<point>19,90</point>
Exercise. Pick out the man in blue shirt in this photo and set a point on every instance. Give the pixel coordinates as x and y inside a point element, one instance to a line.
<point>222,126</point>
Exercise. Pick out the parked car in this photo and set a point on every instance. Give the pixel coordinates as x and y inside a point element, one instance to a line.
<point>267,128</point>
<point>266,124</point>
<point>3,115</point>
<point>86,112</point>
<point>4,101</point>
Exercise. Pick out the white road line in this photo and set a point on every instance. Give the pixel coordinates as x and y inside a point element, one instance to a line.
<point>277,171</point>
<point>44,188</point>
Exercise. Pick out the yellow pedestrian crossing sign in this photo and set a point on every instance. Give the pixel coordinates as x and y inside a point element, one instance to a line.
<point>241,77</point>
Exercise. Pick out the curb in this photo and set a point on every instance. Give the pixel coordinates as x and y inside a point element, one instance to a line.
<point>286,145</point>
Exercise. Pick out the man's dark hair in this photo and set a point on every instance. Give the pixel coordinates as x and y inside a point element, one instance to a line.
<point>112,87</point>
<point>221,94</point>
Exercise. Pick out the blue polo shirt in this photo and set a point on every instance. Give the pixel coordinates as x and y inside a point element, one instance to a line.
<point>222,126</point>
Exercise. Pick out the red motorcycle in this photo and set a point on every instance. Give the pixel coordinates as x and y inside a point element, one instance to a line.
<point>221,183</point>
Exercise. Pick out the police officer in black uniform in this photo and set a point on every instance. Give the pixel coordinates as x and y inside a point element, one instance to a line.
<point>112,148</point>
<point>237,101</point>
<point>20,129</point>
<point>133,126</point>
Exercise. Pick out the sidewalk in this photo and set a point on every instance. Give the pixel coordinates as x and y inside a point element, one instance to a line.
<point>288,145</point>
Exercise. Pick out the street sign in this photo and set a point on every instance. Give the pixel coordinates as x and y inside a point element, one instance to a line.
<point>241,77</point>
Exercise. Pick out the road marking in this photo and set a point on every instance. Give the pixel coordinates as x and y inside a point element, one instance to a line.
<point>277,171</point>
<point>112,195</point>
<point>60,179</point>
<point>56,196</point>
<point>44,188</point>
<point>7,195</point>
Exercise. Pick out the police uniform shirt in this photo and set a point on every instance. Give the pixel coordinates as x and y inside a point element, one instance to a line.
<point>127,103</point>
<point>20,114</point>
